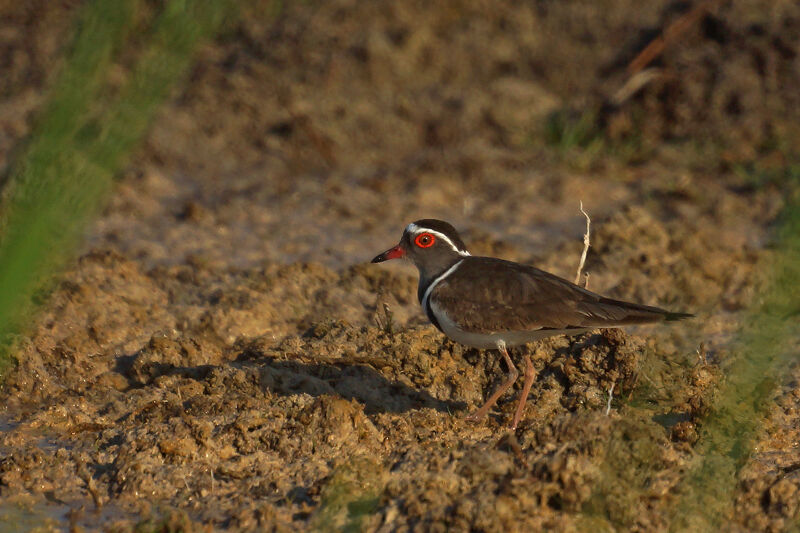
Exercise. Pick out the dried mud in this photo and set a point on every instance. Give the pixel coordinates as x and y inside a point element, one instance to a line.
<point>221,356</point>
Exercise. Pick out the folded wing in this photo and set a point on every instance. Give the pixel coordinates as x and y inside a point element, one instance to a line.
<point>491,295</point>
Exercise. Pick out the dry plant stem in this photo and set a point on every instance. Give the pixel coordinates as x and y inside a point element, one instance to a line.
<point>512,377</point>
<point>530,374</point>
<point>634,84</point>
<point>585,246</point>
<point>657,45</point>
<point>610,397</point>
<point>639,75</point>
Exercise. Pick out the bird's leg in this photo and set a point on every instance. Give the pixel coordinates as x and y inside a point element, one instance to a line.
<point>523,397</point>
<point>512,377</point>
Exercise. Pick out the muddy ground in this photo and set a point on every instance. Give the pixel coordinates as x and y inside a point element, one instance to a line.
<point>222,356</point>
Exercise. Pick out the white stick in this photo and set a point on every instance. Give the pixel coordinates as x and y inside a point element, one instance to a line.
<point>610,397</point>
<point>585,245</point>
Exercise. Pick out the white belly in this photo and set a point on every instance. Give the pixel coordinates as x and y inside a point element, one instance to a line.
<point>489,341</point>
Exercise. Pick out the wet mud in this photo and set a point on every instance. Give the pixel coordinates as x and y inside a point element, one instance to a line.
<point>222,356</point>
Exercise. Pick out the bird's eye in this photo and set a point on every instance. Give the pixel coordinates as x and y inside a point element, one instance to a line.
<point>425,240</point>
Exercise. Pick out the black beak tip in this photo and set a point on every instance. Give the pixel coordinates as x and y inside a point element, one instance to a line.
<point>391,253</point>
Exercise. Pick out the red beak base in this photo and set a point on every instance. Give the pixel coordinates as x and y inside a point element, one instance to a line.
<point>391,253</point>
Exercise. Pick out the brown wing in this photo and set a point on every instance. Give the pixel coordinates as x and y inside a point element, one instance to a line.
<point>490,295</point>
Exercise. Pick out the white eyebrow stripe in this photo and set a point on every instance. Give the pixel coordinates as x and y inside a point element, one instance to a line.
<point>415,230</point>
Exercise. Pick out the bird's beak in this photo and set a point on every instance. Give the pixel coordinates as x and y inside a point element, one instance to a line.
<point>392,253</point>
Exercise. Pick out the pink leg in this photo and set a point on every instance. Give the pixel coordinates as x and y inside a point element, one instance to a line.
<point>512,377</point>
<point>530,374</point>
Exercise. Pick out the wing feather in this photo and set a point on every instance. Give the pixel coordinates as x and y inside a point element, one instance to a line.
<point>492,295</point>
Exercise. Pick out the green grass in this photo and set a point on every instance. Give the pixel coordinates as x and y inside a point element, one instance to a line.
<point>566,129</point>
<point>83,136</point>
<point>766,349</point>
<point>582,139</point>
<point>757,175</point>
<point>351,494</point>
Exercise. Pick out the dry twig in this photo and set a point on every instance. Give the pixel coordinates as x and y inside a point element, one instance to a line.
<point>633,84</point>
<point>657,45</point>
<point>385,323</point>
<point>639,75</point>
<point>610,397</point>
<point>585,248</point>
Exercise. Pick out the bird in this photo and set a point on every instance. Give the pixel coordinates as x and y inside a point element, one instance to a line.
<point>491,303</point>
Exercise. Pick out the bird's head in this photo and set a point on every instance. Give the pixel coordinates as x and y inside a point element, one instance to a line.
<point>432,245</point>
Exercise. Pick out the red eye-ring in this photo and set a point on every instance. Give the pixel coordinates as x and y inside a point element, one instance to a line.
<point>425,240</point>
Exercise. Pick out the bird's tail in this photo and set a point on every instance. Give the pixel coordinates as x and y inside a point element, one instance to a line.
<point>609,313</point>
<point>670,316</point>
